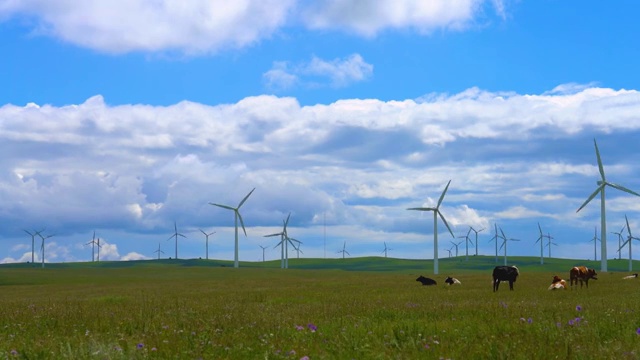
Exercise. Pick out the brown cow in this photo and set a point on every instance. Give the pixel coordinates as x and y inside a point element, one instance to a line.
<point>558,283</point>
<point>583,274</point>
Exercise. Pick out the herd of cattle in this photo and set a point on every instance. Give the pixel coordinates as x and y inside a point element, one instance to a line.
<point>510,274</point>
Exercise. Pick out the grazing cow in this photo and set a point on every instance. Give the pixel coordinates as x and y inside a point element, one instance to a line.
<point>557,283</point>
<point>583,274</point>
<point>633,276</point>
<point>504,273</point>
<point>426,280</point>
<point>451,281</point>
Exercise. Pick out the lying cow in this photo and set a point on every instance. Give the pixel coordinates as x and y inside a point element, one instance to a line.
<point>451,281</point>
<point>504,273</point>
<point>633,276</point>
<point>426,280</point>
<point>557,283</point>
<point>582,274</point>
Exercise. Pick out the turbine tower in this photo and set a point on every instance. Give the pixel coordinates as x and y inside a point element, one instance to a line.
<point>549,243</point>
<point>93,247</point>
<point>541,240</point>
<point>456,246</point>
<point>207,246</point>
<point>504,244</point>
<point>495,239</point>
<point>33,242</point>
<point>263,248</point>
<point>467,240</point>
<point>236,211</point>
<point>175,234</point>
<point>159,251</point>
<point>595,243</point>
<point>630,238</point>
<point>42,247</point>
<point>344,250</point>
<point>436,213</point>
<point>476,231</point>
<point>602,183</point>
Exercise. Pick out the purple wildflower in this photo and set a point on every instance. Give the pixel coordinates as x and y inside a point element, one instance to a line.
<point>571,321</point>
<point>299,327</point>
<point>304,358</point>
<point>312,327</point>
<point>558,324</point>
<point>426,346</point>
<point>292,352</point>
<point>154,349</point>
<point>530,320</point>
<point>14,352</point>
<point>638,331</point>
<point>579,308</point>
<point>140,346</point>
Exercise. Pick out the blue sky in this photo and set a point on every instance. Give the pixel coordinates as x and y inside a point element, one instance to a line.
<point>125,118</point>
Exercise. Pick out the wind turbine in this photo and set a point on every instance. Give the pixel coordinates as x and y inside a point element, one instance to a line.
<point>297,248</point>
<point>541,240</point>
<point>549,243</point>
<point>263,247</point>
<point>33,241</point>
<point>495,239</point>
<point>436,212</point>
<point>449,250</point>
<point>456,246</point>
<point>236,211</point>
<point>42,247</point>
<point>99,246</point>
<point>386,249</point>
<point>504,243</point>
<point>159,251</point>
<point>344,250</point>
<point>603,223</point>
<point>282,243</point>
<point>630,238</point>
<point>476,231</point>
<point>207,246</point>
<point>467,240</point>
<point>619,241</point>
<point>595,242</point>
<point>93,247</point>
<point>175,234</point>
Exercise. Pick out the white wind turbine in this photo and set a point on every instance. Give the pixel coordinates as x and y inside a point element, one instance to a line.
<point>602,183</point>
<point>386,249</point>
<point>283,242</point>
<point>159,251</point>
<point>467,240</point>
<point>436,213</point>
<point>630,238</point>
<point>263,248</point>
<point>176,234</point>
<point>207,246</point>
<point>449,250</point>
<point>495,239</point>
<point>476,231</point>
<point>456,246</point>
<point>33,242</point>
<point>236,211</point>
<point>541,240</point>
<point>549,243</point>
<point>619,241</point>
<point>595,243</point>
<point>42,247</point>
<point>504,244</point>
<point>344,250</point>
<point>93,247</point>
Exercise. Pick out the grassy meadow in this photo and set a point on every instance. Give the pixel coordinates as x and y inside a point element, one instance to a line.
<point>361,308</point>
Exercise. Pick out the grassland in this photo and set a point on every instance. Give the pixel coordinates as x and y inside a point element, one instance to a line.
<point>362,308</point>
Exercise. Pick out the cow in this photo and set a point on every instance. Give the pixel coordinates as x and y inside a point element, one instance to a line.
<point>557,283</point>
<point>632,276</point>
<point>452,281</point>
<point>582,274</point>
<point>426,280</point>
<point>504,273</point>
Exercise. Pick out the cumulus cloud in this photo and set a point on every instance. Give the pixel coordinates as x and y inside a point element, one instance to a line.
<point>209,26</point>
<point>319,72</point>
<point>133,256</point>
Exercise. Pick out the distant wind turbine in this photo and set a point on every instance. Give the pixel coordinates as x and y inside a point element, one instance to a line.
<point>476,231</point>
<point>344,250</point>
<point>436,213</point>
<point>386,249</point>
<point>159,251</point>
<point>495,239</point>
<point>504,244</point>
<point>263,248</point>
<point>42,247</point>
<point>99,246</point>
<point>456,246</point>
<point>207,246</point>
<point>602,183</point>
<point>283,242</point>
<point>595,242</point>
<point>630,238</point>
<point>541,240</point>
<point>550,242</point>
<point>619,241</point>
<point>449,250</point>
<point>467,240</point>
<point>236,211</point>
<point>93,247</point>
<point>33,241</point>
<point>175,234</point>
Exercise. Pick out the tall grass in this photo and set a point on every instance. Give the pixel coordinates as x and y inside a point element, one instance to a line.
<point>221,313</point>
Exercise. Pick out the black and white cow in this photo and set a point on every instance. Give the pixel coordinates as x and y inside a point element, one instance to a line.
<point>504,273</point>
<point>426,280</point>
<point>452,281</point>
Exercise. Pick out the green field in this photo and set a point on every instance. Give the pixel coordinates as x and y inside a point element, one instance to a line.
<point>360,308</point>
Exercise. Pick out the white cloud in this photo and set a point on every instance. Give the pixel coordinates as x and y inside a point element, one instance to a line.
<point>319,72</point>
<point>206,26</point>
<point>133,256</point>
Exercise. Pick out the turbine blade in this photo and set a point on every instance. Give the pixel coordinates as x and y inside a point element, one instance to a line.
<point>241,222</point>
<point>600,168</point>
<point>222,206</point>
<point>628,229</point>
<point>423,209</point>
<point>445,222</point>
<point>245,198</point>
<point>278,234</point>
<point>540,228</point>
<point>443,193</point>
<point>591,197</point>
<point>622,188</point>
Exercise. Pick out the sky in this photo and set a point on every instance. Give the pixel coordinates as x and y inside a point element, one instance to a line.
<point>129,118</point>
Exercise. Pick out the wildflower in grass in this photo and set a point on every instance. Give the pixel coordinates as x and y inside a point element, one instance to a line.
<point>638,331</point>
<point>558,324</point>
<point>299,327</point>
<point>140,345</point>
<point>154,349</point>
<point>312,327</point>
<point>14,352</point>
<point>426,346</point>
<point>530,320</point>
<point>304,358</point>
<point>571,321</point>
<point>579,308</point>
